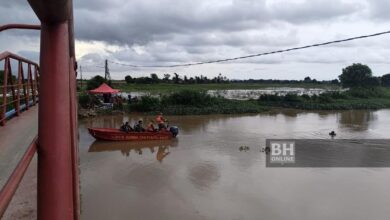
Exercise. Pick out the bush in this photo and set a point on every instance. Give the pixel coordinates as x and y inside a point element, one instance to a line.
<point>365,92</point>
<point>270,98</point>
<point>291,98</point>
<point>325,98</point>
<point>188,97</point>
<point>87,101</point>
<point>146,104</point>
<point>95,82</point>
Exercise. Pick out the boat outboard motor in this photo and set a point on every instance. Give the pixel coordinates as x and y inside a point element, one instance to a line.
<point>174,130</point>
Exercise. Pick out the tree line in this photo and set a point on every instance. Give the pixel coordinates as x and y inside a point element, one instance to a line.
<point>355,75</point>
<point>177,79</point>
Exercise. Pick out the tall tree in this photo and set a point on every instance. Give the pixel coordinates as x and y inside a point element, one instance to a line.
<point>356,75</point>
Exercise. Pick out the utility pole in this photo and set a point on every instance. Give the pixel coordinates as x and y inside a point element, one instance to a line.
<point>107,76</point>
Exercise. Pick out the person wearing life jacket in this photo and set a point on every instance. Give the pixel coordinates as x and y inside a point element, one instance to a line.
<point>161,121</point>
<point>139,127</point>
<point>151,127</point>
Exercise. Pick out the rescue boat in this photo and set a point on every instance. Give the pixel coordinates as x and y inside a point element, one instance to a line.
<point>113,134</point>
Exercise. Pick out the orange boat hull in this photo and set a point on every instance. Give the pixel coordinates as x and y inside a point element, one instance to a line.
<point>112,134</point>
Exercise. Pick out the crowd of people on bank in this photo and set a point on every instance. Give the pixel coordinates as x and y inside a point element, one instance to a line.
<point>139,126</point>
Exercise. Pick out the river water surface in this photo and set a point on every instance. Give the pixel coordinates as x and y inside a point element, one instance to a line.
<point>203,174</point>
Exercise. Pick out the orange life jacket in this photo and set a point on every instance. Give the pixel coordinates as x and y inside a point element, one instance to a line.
<point>160,119</point>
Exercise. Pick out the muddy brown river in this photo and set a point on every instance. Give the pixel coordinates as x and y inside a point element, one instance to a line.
<point>203,175</point>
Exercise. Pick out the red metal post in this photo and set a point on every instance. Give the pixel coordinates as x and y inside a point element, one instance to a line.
<point>35,85</point>
<point>20,73</point>
<point>28,87</point>
<point>5,84</point>
<point>25,86</point>
<point>55,129</point>
<point>11,84</point>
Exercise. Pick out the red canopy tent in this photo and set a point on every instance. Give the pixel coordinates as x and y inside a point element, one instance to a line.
<point>104,89</point>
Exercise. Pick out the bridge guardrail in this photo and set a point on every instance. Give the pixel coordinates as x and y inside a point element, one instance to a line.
<point>18,91</point>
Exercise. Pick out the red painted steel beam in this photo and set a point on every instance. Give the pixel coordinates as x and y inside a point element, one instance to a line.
<point>5,91</point>
<point>20,26</point>
<point>7,54</point>
<point>58,180</point>
<point>52,11</point>
<point>16,177</point>
<point>55,174</point>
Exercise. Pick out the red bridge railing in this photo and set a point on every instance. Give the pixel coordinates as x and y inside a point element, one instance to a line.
<point>19,87</point>
<point>57,144</point>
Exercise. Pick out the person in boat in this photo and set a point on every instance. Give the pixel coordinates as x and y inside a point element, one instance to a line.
<point>161,121</point>
<point>139,126</point>
<point>151,127</point>
<point>126,127</point>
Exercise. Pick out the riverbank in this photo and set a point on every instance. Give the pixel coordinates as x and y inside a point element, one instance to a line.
<point>191,102</point>
<point>359,98</point>
<point>188,102</point>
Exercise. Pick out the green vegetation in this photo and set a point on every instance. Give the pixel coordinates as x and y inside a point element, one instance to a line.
<point>168,84</point>
<point>2,77</point>
<point>182,95</point>
<point>95,82</point>
<point>358,75</point>
<point>165,88</point>
<point>189,102</point>
<point>87,101</point>
<point>386,80</point>
<point>357,98</point>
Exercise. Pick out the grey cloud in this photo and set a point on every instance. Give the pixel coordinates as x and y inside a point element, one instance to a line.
<point>143,21</point>
<point>380,9</point>
<point>172,32</point>
<point>31,55</point>
<point>314,10</point>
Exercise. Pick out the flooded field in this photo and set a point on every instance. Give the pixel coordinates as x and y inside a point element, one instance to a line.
<point>243,94</point>
<point>203,174</point>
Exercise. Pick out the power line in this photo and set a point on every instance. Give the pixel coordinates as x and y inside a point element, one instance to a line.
<point>256,55</point>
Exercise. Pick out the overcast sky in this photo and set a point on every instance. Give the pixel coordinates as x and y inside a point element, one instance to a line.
<point>165,32</point>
